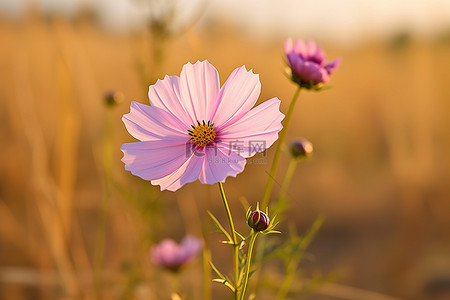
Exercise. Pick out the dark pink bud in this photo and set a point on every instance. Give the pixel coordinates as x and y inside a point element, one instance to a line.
<point>258,220</point>
<point>113,98</point>
<point>301,148</point>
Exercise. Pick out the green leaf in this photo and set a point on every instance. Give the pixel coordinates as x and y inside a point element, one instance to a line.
<point>241,245</point>
<point>220,227</point>
<point>216,270</point>
<point>239,235</point>
<point>223,279</point>
<point>226,283</point>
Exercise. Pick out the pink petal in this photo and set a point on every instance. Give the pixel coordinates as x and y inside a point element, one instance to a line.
<point>165,94</point>
<point>151,123</point>
<point>199,86</point>
<point>236,97</point>
<point>295,62</point>
<point>313,72</point>
<point>190,246</point>
<point>319,56</point>
<point>254,132</point>
<point>288,46</point>
<point>154,159</point>
<point>311,48</point>
<point>332,66</point>
<point>186,173</point>
<point>165,253</point>
<point>300,48</point>
<point>219,164</point>
<point>325,75</point>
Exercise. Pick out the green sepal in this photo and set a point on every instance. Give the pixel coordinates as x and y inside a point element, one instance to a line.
<point>272,225</point>
<point>247,214</point>
<point>270,231</point>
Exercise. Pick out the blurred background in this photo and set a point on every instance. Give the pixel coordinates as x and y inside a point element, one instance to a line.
<point>75,225</point>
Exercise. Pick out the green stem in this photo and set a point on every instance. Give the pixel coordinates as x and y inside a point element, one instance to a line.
<point>206,274</point>
<point>249,261</point>
<point>175,283</point>
<point>281,204</point>
<point>233,237</point>
<point>280,144</point>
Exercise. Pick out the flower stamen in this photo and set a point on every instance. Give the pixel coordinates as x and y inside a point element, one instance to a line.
<point>203,133</point>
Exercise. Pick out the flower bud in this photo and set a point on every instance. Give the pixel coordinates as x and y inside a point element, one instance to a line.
<point>113,98</point>
<point>301,148</point>
<point>258,220</point>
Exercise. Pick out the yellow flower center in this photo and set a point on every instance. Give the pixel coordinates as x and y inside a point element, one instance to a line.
<point>202,134</point>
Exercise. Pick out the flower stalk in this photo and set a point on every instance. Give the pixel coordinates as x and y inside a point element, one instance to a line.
<point>281,204</point>
<point>251,246</point>
<point>206,258</point>
<point>233,239</point>
<point>278,150</point>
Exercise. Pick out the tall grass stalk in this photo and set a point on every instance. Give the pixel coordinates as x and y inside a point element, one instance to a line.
<point>278,150</point>
<point>105,201</point>
<point>46,188</point>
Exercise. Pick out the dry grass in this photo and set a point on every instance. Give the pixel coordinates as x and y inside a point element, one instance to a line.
<point>380,171</point>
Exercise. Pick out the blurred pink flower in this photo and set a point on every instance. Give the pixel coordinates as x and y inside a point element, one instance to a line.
<point>170,255</point>
<point>195,129</point>
<point>308,63</point>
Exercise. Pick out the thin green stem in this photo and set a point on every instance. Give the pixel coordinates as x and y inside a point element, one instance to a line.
<point>233,237</point>
<point>249,262</point>
<point>206,274</point>
<point>280,144</point>
<point>281,204</point>
<point>175,283</point>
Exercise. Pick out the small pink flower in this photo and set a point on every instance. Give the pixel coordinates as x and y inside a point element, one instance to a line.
<point>195,129</point>
<point>170,255</point>
<point>308,63</point>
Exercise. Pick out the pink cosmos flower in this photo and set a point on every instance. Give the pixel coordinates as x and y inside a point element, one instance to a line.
<point>170,255</point>
<point>308,63</point>
<point>195,129</point>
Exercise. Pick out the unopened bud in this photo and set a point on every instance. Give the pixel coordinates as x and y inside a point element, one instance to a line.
<point>258,220</point>
<point>113,98</point>
<point>301,148</point>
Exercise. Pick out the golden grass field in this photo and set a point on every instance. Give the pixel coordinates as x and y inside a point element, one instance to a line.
<point>380,172</point>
